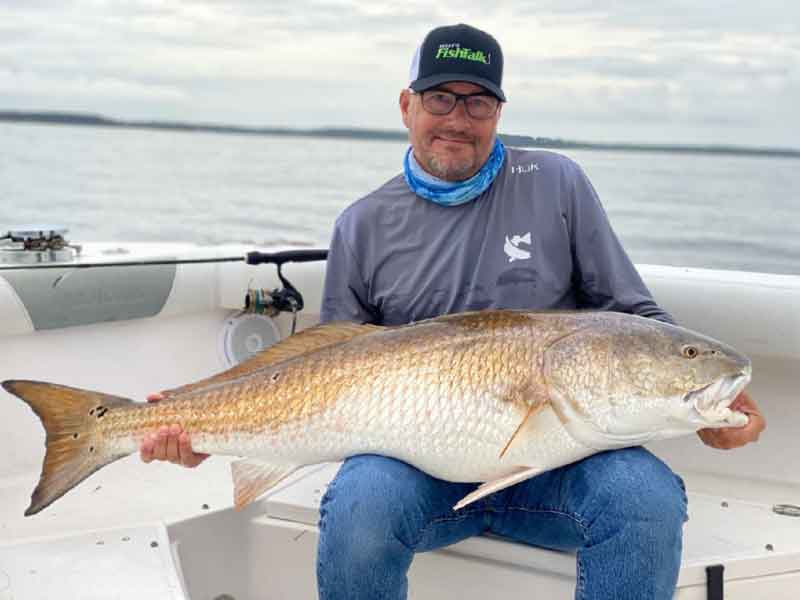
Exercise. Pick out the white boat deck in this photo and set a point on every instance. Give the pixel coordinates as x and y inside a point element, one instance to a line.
<point>158,531</point>
<point>121,563</point>
<point>145,531</point>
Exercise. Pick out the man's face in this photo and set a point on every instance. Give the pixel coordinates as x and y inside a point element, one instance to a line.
<point>452,147</point>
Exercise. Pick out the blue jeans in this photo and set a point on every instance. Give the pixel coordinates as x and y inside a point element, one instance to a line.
<point>623,511</point>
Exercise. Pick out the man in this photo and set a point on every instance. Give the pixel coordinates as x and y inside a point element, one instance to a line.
<point>472,225</point>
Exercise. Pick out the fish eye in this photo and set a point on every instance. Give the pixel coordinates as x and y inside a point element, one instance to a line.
<point>690,351</point>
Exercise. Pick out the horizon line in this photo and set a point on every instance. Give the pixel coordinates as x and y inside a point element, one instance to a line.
<point>53,117</point>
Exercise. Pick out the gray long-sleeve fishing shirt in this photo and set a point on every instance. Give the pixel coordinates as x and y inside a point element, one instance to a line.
<point>537,238</point>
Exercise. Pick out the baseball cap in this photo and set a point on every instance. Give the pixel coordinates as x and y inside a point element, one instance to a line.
<point>458,53</point>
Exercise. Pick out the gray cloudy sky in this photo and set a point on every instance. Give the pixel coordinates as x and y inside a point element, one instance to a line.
<point>698,71</point>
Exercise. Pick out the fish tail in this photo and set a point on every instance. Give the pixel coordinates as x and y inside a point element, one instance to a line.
<point>75,446</point>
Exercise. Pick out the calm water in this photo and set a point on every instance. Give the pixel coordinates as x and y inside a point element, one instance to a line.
<point>106,184</point>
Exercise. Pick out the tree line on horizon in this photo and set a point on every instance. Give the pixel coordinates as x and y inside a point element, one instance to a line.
<point>85,119</point>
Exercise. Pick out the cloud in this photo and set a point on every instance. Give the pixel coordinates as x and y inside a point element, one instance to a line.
<point>84,87</point>
<point>672,16</point>
<point>718,71</point>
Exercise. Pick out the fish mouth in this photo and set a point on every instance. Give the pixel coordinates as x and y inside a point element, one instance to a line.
<point>711,403</point>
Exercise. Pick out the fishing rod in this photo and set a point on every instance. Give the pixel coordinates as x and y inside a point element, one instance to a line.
<point>251,258</point>
<point>256,301</point>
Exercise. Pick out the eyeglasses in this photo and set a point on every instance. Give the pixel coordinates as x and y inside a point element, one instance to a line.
<point>480,105</point>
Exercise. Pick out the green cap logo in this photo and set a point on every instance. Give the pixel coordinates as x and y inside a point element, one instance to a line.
<point>448,51</point>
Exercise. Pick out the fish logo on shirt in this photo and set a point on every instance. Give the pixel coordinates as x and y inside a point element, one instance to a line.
<point>512,249</point>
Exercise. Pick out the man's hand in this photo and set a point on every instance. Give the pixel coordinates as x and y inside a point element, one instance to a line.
<point>169,443</point>
<point>734,437</point>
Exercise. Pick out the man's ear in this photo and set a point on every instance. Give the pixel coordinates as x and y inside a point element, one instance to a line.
<point>405,103</point>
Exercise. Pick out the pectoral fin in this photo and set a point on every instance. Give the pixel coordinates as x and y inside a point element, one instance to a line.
<point>251,478</point>
<point>535,408</point>
<point>496,485</point>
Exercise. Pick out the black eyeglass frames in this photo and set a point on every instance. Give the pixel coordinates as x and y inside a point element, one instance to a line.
<point>479,105</point>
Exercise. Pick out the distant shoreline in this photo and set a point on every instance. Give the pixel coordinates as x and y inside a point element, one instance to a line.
<point>65,118</point>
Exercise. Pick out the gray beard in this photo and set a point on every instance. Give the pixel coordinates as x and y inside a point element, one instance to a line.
<point>452,171</point>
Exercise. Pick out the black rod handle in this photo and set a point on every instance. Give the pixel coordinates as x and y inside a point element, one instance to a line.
<point>278,258</point>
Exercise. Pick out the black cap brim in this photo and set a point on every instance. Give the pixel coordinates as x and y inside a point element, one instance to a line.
<point>420,85</point>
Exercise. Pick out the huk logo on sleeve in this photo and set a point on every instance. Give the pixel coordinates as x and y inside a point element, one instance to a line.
<point>512,249</point>
<point>520,169</point>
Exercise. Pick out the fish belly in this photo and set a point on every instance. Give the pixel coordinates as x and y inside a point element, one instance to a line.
<point>455,441</point>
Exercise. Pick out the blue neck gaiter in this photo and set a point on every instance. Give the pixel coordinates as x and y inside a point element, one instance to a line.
<point>452,193</point>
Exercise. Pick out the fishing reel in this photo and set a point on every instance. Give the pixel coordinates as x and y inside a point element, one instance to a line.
<point>285,299</point>
<point>253,329</point>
